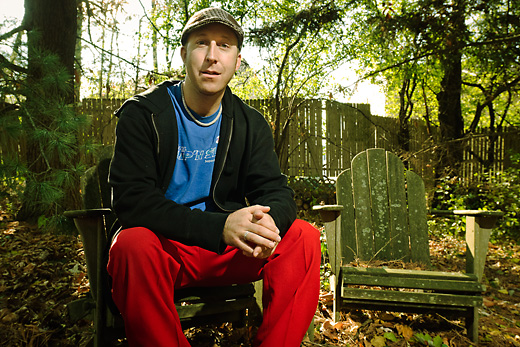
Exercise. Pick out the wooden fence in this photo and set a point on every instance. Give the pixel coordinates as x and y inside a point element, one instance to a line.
<point>325,135</point>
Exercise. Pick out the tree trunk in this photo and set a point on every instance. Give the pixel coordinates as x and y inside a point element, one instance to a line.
<point>52,30</point>
<point>450,113</point>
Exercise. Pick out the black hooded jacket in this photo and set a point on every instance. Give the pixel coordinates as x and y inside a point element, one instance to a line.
<point>246,170</point>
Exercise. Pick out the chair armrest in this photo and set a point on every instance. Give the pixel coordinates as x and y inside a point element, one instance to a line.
<point>331,217</point>
<point>486,219</point>
<point>478,230</point>
<point>90,213</point>
<point>328,213</point>
<point>476,213</point>
<point>91,227</point>
<point>327,207</point>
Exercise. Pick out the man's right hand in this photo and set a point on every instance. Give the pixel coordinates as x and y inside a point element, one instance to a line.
<point>252,230</point>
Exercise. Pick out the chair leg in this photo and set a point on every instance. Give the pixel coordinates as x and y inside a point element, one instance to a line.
<point>335,297</point>
<point>472,324</point>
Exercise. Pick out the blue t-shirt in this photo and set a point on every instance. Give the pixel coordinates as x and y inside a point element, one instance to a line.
<point>198,141</point>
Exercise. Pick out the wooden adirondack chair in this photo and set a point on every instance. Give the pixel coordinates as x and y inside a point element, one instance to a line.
<point>382,215</point>
<point>196,306</point>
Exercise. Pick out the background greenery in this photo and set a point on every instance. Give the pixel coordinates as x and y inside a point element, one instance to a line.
<point>454,63</point>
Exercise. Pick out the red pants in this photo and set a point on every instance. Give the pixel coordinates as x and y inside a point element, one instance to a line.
<point>147,268</point>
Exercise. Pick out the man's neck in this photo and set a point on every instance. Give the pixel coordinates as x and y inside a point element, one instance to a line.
<point>204,105</point>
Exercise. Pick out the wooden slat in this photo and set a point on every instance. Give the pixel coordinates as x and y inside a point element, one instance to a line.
<point>412,297</point>
<point>412,282</point>
<point>415,283</point>
<point>361,189</point>
<point>315,143</point>
<point>333,150</point>
<point>346,242</point>
<point>399,231</point>
<point>408,307</point>
<point>417,212</point>
<point>203,309</point>
<point>379,202</point>
<point>405,273</point>
<point>206,294</point>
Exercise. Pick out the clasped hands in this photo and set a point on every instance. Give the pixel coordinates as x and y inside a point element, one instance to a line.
<point>252,230</point>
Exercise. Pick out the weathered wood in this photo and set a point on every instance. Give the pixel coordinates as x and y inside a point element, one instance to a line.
<point>331,217</point>
<point>439,281</point>
<point>346,245</point>
<point>398,209</point>
<point>417,298</point>
<point>363,217</point>
<point>403,273</point>
<point>384,217</point>
<point>478,230</point>
<point>417,216</point>
<point>192,311</point>
<point>377,174</point>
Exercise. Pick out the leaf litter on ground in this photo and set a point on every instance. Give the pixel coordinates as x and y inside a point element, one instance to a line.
<point>42,272</point>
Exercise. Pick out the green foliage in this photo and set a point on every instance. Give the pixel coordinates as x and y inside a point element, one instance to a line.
<point>402,41</point>
<point>310,191</point>
<point>302,43</point>
<point>491,191</point>
<point>43,168</point>
<point>247,85</point>
<point>427,340</point>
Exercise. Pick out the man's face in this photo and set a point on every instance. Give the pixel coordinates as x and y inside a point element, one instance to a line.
<point>211,57</point>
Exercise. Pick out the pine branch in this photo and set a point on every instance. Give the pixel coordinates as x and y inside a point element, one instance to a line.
<point>4,61</point>
<point>12,32</point>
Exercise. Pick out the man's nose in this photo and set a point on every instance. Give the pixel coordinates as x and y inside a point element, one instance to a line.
<point>211,54</point>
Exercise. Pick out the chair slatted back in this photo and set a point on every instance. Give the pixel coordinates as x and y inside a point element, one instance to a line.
<point>384,214</point>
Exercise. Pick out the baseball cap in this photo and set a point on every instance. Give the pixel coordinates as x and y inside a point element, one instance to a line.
<point>212,15</point>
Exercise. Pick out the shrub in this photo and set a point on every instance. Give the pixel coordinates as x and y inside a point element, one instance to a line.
<point>490,191</point>
<point>310,191</point>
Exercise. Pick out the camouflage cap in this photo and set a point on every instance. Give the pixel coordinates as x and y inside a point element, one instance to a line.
<point>212,15</point>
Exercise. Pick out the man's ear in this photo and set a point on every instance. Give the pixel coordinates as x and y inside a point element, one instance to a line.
<point>239,61</point>
<point>183,54</point>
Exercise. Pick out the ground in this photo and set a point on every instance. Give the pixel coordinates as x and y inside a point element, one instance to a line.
<point>42,272</point>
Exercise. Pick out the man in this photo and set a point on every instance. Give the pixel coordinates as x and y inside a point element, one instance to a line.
<point>198,192</point>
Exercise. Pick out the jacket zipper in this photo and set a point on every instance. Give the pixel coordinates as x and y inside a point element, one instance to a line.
<point>228,144</point>
<point>156,132</point>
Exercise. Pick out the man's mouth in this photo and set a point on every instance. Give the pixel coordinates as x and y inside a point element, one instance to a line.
<point>211,73</point>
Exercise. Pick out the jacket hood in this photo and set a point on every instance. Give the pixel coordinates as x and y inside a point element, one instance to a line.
<point>152,99</point>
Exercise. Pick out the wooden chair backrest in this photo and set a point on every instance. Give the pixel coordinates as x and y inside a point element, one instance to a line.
<point>384,214</point>
<point>96,191</point>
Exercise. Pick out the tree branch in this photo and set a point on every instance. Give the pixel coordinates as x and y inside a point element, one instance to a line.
<point>511,38</point>
<point>11,66</point>
<point>121,58</point>
<point>12,32</point>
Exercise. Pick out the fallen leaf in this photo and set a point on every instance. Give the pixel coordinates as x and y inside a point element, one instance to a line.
<point>378,341</point>
<point>390,336</point>
<point>405,331</point>
<point>488,302</point>
<point>387,316</point>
